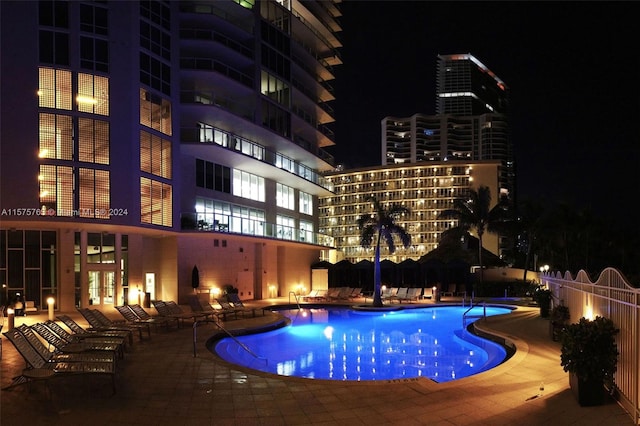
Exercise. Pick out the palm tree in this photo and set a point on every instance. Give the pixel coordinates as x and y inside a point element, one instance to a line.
<point>476,213</point>
<point>382,226</point>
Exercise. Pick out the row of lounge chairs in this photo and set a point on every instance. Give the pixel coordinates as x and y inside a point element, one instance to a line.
<point>50,350</point>
<point>402,294</point>
<point>333,294</point>
<point>224,307</point>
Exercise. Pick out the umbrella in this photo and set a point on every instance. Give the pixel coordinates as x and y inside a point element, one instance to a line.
<point>195,278</point>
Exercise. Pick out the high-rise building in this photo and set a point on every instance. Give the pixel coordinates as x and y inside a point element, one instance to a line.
<point>142,138</point>
<point>465,86</point>
<point>471,123</point>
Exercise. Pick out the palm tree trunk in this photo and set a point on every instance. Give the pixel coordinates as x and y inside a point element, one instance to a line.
<point>480,256</point>
<point>377,299</point>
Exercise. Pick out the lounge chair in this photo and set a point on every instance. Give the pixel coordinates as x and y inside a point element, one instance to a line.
<point>133,317</point>
<point>157,320</point>
<point>389,294</point>
<point>62,345</point>
<point>399,294</point>
<point>74,338</point>
<point>451,290</point>
<point>198,307</point>
<point>52,367</point>
<point>57,356</point>
<point>413,294</point>
<point>309,296</point>
<point>333,293</point>
<point>177,310</point>
<point>229,308</point>
<point>355,293</point>
<point>235,300</point>
<point>168,310</point>
<point>79,331</point>
<point>100,321</point>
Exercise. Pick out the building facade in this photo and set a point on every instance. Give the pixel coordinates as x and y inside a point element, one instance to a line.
<point>141,139</point>
<point>426,189</point>
<point>471,123</point>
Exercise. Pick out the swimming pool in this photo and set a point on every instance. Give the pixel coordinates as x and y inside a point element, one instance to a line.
<point>339,343</point>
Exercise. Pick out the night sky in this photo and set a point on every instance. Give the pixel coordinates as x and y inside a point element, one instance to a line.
<point>572,69</point>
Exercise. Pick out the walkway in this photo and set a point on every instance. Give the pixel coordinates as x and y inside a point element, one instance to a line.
<point>162,383</point>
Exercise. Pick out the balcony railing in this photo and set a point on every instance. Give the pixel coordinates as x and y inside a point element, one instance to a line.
<point>214,222</point>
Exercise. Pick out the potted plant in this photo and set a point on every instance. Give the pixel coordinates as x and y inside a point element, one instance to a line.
<point>542,297</point>
<point>559,319</point>
<point>590,356</point>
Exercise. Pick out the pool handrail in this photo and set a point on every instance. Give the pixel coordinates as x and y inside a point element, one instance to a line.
<point>484,311</point>
<point>295,296</point>
<point>227,332</point>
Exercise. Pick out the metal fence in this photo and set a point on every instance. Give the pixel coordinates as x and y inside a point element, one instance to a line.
<point>610,296</point>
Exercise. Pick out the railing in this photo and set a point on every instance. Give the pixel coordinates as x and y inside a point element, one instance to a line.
<point>217,323</point>
<point>484,312</point>
<point>610,296</point>
<point>295,296</point>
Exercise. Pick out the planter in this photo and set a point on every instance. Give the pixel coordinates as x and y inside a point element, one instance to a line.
<point>587,392</point>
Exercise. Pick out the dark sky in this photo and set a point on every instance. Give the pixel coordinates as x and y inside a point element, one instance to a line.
<point>572,69</point>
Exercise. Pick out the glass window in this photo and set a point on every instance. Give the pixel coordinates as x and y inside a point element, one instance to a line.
<point>247,185</point>
<point>56,137</point>
<point>56,190</point>
<point>305,203</point>
<point>155,155</point>
<point>285,196</point>
<point>155,202</point>
<point>93,141</point>
<point>55,88</point>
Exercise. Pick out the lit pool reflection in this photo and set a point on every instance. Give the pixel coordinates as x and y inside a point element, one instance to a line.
<point>338,343</point>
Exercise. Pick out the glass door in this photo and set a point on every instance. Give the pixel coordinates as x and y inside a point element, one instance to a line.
<point>102,287</point>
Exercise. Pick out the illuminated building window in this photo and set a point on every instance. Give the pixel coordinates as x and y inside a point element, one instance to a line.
<point>274,88</point>
<point>93,94</point>
<point>248,185</point>
<point>155,112</point>
<point>155,202</point>
<point>55,88</point>
<point>285,226</point>
<point>155,155</point>
<point>56,190</point>
<point>93,141</point>
<point>305,203</point>
<point>56,137</point>
<point>285,196</point>
<point>94,190</point>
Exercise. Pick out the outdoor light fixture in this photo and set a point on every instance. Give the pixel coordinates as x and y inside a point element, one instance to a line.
<point>10,318</point>
<point>51,303</point>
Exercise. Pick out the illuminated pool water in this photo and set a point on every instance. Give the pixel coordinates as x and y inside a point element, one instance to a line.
<point>338,343</point>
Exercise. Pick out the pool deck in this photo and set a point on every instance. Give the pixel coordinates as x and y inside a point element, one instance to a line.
<point>160,382</point>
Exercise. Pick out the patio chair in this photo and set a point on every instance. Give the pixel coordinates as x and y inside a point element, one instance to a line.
<point>62,345</point>
<point>98,320</point>
<point>79,331</point>
<point>51,368</point>
<point>236,302</point>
